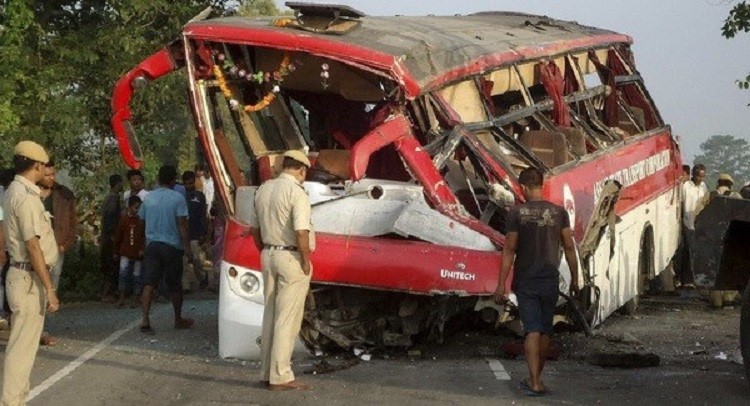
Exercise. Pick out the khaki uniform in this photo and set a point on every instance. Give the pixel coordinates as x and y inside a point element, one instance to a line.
<point>25,218</point>
<point>281,209</point>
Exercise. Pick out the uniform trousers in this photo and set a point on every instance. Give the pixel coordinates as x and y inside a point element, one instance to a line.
<point>27,300</point>
<point>285,289</point>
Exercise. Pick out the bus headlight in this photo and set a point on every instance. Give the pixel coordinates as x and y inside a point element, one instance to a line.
<point>249,283</point>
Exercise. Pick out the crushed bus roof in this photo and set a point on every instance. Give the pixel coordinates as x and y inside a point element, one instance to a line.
<point>431,46</point>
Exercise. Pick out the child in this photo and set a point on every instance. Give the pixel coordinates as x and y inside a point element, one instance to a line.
<point>129,245</point>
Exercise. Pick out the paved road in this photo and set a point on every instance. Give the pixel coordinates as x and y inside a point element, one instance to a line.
<point>103,359</point>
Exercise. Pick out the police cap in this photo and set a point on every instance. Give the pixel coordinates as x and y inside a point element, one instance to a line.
<point>298,156</point>
<point>31,150</point>
<point>726,177</point>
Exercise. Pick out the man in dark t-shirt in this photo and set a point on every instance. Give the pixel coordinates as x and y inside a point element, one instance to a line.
<point>110,215</point>
<point>197,227</point>
<point>538,232</point>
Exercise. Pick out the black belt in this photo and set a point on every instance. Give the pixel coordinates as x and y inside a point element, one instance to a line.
<point>25,266</point>
<point>280,247</point>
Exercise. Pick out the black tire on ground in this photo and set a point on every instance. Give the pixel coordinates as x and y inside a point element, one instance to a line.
<point>645,269</point>
<point>745,331</point>
<point>631,306</point>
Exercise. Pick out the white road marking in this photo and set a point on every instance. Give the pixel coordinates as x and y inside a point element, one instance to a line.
<point>80,360</point>
<point>497,368</point>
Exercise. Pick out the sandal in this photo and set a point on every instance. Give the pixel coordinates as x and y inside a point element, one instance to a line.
<point>293,385</point>
<point>48,340</point>
<point>147,330</point>
<point>528,390</point>
<point>183,323</point>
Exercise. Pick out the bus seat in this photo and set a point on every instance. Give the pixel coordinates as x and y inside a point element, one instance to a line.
<point>626,124</point>
<point>269,166</point>
<point>576,140</point>
<point>548,146</point>
<point>334,162</point>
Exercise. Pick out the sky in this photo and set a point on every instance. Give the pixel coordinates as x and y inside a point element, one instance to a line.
<point>688,67</point>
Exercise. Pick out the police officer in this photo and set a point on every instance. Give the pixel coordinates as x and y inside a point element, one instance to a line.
<point>32,248</point>
<point>283,233</point>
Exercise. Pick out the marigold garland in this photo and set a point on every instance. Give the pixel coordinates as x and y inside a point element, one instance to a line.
<point>285,68</point>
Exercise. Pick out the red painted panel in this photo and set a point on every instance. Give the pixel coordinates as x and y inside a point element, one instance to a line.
<point>152,68</point>
<point>378,263</point>
<point>633,158</point>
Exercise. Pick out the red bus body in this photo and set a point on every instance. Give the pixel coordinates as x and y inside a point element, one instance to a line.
<point>428,87</point>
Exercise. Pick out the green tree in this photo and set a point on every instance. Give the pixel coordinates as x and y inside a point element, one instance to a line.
<point>738,22</point>
<point>256,8</point>
<point>725,154</point>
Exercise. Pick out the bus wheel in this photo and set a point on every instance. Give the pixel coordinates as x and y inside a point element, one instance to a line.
<point>645,270</point>
<point>631,306</point>
<point>745,330</point>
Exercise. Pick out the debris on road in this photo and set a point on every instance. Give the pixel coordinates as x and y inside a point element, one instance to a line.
<point>624,360</point>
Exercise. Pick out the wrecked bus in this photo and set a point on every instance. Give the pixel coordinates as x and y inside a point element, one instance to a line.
<point>417,128</point>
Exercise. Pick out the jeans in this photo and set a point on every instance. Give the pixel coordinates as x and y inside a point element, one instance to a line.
<point>687,273</point>
<point>131,276</point>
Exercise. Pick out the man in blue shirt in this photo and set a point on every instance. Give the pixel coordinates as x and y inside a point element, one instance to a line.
<point>166,215</point>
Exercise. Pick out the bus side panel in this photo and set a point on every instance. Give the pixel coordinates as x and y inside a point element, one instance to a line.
<point>386,264</point>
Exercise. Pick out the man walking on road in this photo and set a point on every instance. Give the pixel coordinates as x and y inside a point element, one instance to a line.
<point>197,227</point>
<point>33,250</point>
<point>60,203</point>
<point>694,194</point>
<point>536,232</point>
<point>283,232</point>
<point>111,211</point>
<point>166,215</point>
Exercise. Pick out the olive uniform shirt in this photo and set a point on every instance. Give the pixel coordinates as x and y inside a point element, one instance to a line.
<point>282,208</point>
<point>25,218</point>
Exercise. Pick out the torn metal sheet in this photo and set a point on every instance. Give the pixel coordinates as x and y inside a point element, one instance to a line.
<point>377,208</point>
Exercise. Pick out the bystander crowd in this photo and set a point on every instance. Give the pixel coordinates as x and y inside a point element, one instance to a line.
<point>197,230</point>
<point>129,246</point>
<point>694,193</point>
<point>60,203</point>
<point>137,184</point>
<point>110,215</point>
<point>164,212</point>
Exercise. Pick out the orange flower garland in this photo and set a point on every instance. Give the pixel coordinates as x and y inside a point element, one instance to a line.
<point>284,69</point>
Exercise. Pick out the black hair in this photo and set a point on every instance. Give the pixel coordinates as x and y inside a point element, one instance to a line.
<point>167,174</point>
<point>114,180</point>
<point>531,178</point>
<point>134,172</point>
<point>134,199</point>
<point>686,168</point>
<point>199,167</point>
<point>22,164</point>
<point>745,192</point>
<point>723,182</point>
<point>50,163</point>
<point>291,163</point>
<point>187,176</point>
<point>6,176</point>
<point>697,168</point>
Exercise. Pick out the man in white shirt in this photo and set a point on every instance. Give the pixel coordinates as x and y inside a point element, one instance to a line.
<point>135,179</point>
<point>694,193</point>
<point>204,183</point>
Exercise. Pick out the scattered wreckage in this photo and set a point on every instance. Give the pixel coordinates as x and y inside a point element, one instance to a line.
<point>722,232</point>
<point>417,128</point>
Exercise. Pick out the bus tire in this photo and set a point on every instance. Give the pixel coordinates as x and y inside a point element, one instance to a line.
<point>630,307</point>
<point>745,331</point>
<point>645,270</point>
